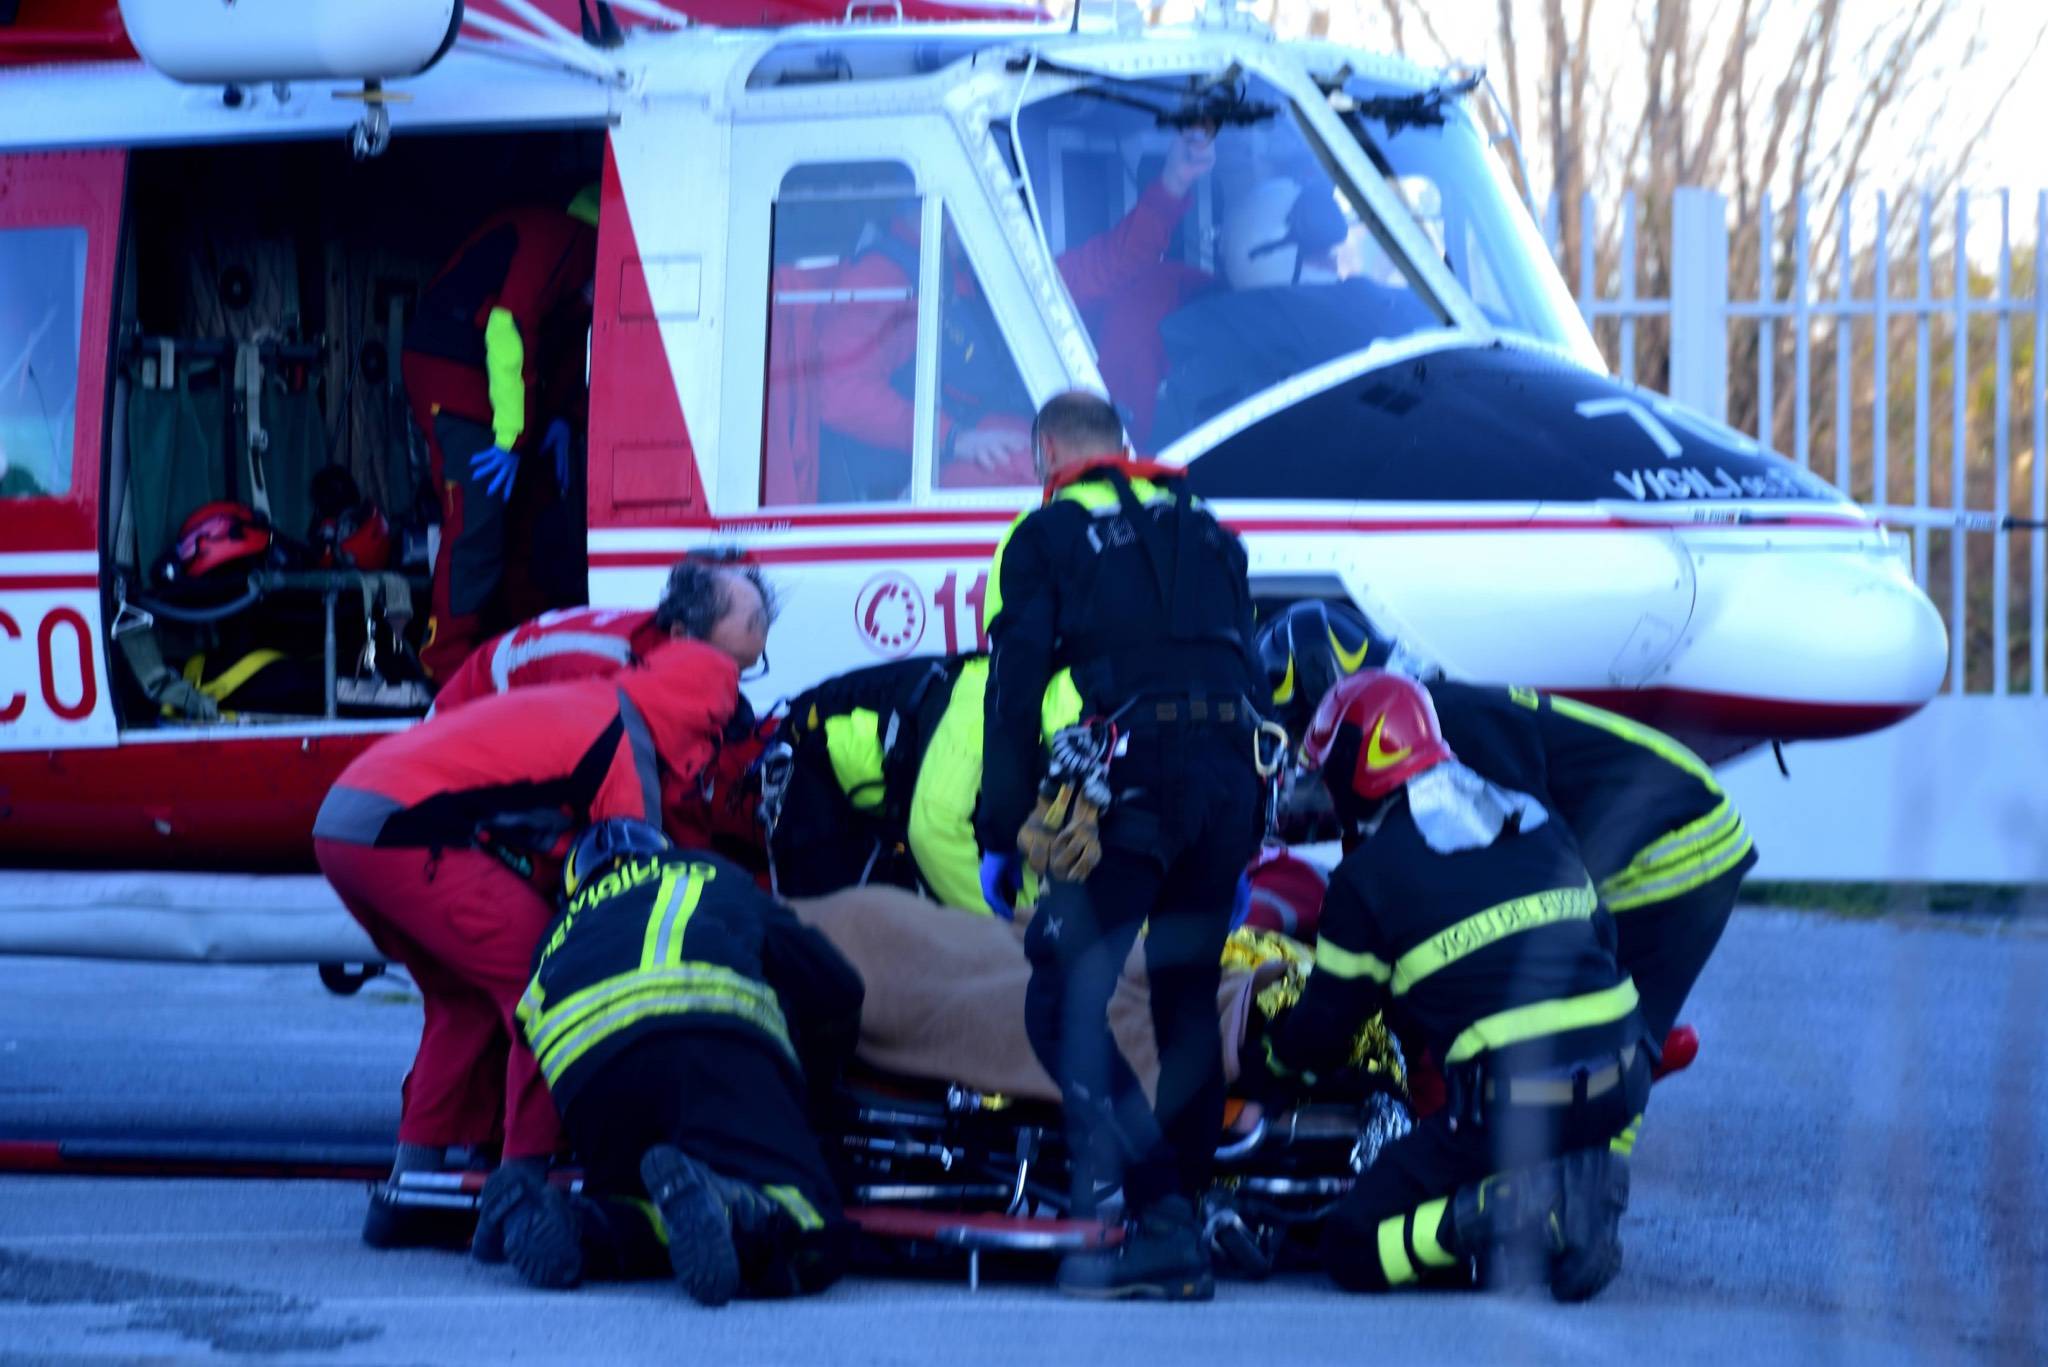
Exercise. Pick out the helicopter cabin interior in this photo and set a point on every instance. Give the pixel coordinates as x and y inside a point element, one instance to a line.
<point>269,513</point>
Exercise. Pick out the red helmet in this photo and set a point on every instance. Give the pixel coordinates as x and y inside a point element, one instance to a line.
<point>1390,720</point>
<point>356,538</point>
<point>218,535</point>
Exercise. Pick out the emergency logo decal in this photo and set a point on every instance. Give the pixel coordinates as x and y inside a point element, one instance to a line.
<point>891,615</point>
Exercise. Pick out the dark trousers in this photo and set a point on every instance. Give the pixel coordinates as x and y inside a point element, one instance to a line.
<point>469,569</point>
<point>1388,1232</point>
<point>1664,945</point>
<point>730,1103</point>
<point>1183,826</point>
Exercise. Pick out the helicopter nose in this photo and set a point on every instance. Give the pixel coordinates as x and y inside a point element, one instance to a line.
<point>1837,638</point>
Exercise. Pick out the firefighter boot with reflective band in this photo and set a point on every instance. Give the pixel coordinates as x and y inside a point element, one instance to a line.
<point>540,1235</point>
<point>706,1216</point>
<point>1507,1224</point>
<point>1163,1257</point>
<point>1595,1195</point>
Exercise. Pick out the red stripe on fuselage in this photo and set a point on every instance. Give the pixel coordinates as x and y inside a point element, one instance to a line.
<point>952,550</point>
<point>17,582</point>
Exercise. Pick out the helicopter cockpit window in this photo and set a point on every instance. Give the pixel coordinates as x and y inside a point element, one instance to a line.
<point>42,300</point>
<point>1437,160</point>
<point>1210,249</point>
<point>842,335</point>
<point>984,420</point>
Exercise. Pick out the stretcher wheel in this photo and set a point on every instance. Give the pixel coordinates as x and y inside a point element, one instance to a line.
<point>345,980</point>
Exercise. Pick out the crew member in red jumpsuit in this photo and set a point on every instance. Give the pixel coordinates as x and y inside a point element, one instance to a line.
<point>1118,280</point>
<point>444,842</point>
<point>503,321</point>
<point>712,596</point>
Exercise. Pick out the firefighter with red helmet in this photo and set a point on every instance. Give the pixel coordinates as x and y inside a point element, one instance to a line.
<point>1666,846</point>
<point>1466,916</point>
<point>442,841</point>
<point>493,367</point>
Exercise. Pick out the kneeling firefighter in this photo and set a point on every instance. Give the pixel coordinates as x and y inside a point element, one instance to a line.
<point>1127,597</point>
<point>1665,845</point>
<point>884,766</point>
<point>1466,915</point>
<point>678,1014</point>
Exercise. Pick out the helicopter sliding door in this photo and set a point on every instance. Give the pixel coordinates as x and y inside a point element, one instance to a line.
<point>59,221</point>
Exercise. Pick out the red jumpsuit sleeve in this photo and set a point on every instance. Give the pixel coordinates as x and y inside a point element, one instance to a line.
<point>861,345</point>
<point>1104,264</point>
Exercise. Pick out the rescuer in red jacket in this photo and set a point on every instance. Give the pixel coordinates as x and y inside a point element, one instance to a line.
<point>493,367</point>
<point>444,840</point>
<point>712,596</point>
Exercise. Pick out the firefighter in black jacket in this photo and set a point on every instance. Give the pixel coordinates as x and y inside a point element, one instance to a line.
<point>1665,845</point>
<point>677,1013</point>
<point>1123,601</point>
<point>1468,917</point>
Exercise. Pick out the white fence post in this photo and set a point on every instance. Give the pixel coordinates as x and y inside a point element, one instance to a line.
<point>1699,301</point>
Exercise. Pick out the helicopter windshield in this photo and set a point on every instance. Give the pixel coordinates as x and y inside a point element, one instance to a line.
<point>1210,250</point>
<point>1437,160</point>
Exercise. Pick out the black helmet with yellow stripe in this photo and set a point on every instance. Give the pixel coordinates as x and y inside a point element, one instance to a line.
<point>1309,647</point>
<point>603,844</point>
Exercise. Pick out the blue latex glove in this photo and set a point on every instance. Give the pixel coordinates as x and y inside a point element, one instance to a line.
<point>495,469</point>
<point>556,444</point>
<point>1241,904</point>
<point>1002,875</point>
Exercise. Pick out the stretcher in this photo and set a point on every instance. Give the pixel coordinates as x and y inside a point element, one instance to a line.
<point>935,1170</point>
<point>939,1176</point>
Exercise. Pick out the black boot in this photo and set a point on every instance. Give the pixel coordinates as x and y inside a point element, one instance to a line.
<point>539,1233</point>
<point>394,1222</point>
<point>1507,1226</point>
<point>1162,1257</point>
<point>487,1246</point>
<point>707,1217</point>
<point>1595,1195</point>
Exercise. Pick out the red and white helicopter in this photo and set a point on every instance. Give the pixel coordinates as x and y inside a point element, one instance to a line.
<point>1359,347</point>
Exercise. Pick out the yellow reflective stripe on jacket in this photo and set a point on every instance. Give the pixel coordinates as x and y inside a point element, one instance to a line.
<point>556,1061</point>
<point>675,901</point>
<point>563,1035</point>
<point>1490,926</point>
<point>941,825</point>
<point>1538,1019</point>
<point>1691,873</point>
<point>1424,1226</point>
<point>1636,733</point>
<point>1694,854</point>
<point>1669,851</point>
<point>549,1023</point>
<point>505,368</point>
<point>853,740</point>
<point>1350,963</point>
<point>1395,1265</point>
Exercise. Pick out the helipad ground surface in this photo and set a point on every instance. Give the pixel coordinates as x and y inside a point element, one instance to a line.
<point>1852,1173</point>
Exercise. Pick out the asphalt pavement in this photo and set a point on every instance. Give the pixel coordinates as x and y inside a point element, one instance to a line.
<point>1851,1173</point>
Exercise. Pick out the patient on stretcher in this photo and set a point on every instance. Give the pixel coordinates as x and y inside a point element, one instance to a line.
<point>945,994</point>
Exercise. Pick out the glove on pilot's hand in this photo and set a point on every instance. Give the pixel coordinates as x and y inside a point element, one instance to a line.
<point>495,469</point>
